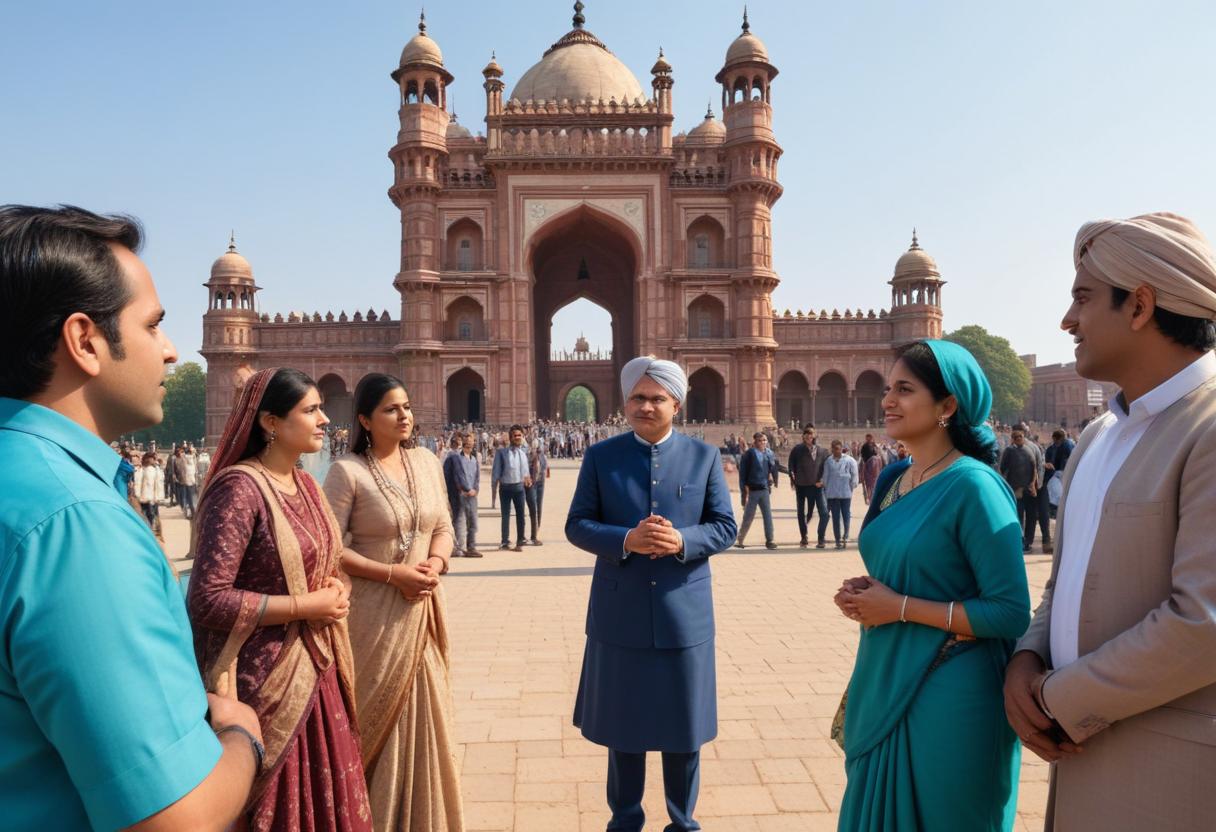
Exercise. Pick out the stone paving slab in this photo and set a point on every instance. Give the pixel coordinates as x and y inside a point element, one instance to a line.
<point>784,657</point>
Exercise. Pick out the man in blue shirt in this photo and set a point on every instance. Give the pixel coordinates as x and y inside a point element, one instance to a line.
<point>758,474</point>
<point>102,710</point>
<point>509,477</point>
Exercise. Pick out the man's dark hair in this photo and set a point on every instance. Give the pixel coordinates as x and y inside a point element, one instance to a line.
<point>1195,333</point>
<point>514,428</point>
<point>1058,434</point>
<point>758,435</point>
<point>808,429</point>
<point>55,262</point>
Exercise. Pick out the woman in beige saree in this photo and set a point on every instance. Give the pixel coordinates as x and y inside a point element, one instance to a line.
<point>392,505</point>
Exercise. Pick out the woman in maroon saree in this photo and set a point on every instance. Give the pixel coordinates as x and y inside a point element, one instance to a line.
<point>268,603</point>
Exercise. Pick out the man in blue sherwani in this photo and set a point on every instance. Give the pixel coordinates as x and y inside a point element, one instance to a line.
<point>652,505</point>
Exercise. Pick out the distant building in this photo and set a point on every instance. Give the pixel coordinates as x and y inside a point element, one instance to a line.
<point>579,189</point>
<point>1059,396</point>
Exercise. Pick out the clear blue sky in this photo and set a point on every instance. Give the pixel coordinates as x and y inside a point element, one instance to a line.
<point>996,129</point>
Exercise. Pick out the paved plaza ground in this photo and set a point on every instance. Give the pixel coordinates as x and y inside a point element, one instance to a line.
<point>784,658</point>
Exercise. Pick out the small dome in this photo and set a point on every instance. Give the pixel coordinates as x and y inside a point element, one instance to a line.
<point>492,70</point>
<point>421,49</point>
<point>746,47</point>
<point>709,130</point>
<point>578,67</point>
<point>456,130</point>
<point>231,266</point>
<point>915,262</point>
<point>661,65</point>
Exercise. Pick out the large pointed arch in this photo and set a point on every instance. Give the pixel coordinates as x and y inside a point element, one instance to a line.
<point>583,252</point>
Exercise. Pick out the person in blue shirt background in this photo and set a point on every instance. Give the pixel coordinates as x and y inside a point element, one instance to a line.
<point>102,710</point>
<point>652,505</point>
<point>758,475</point>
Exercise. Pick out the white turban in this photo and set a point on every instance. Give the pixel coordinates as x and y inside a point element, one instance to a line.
<point>1163,250</point>
<point>667,373</point>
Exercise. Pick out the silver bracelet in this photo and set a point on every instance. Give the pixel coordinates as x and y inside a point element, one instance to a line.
<point>950,618</point>
<point>903,608</point>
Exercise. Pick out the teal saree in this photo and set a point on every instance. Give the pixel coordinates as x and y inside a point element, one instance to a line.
<point>927,745</point>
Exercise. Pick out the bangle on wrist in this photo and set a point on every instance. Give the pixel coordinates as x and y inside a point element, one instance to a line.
<point>259,750</point>
<point>950,618</point>
<point>389,579</point>
<point>1040,700</point>
<point>903,609</point>
<point>295,611</point>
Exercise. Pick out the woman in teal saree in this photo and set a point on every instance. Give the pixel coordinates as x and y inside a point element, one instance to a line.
<point>927,746</point>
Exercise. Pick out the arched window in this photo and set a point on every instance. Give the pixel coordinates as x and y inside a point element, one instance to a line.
<point>757,90</point>
<point>706,318</point>
<point>706,244</point>
<point>464,320</point>
<point>219,300</point>
<point>430,93</point>
<point>739,93</point>
<point>464,246</point>
<point>411,93</point>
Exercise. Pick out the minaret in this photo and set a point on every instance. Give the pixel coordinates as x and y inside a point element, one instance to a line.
<point>229,339</point>
<point>419,160</point>
<point>752,153</point>
<point>662,85</point>
<point>493,87</point>
<point>916,296</point>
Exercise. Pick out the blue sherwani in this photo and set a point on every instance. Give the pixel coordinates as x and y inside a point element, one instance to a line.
<point>648,672</point>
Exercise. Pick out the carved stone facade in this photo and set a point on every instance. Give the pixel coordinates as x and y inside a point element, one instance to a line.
<point>582,192</point>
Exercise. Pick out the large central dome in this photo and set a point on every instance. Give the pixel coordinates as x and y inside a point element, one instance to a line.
<point>578,67</point>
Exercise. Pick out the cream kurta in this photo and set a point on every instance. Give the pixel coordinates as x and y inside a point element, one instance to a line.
<point>402,684</point>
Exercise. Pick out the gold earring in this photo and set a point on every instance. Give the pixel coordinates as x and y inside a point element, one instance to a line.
<point>270,439</point>
<point>941,422</point>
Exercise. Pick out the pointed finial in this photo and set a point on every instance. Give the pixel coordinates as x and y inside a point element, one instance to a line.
<point>747,27</point>
<point>422,22</point>
<point>660,51</point>
<point>579,20</point>
<point>493,54</point>
<point>915,244</point>
<point>709,110</point>
<point>232,240</point>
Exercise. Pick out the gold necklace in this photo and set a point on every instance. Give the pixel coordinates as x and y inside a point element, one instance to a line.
<point>920,479</point>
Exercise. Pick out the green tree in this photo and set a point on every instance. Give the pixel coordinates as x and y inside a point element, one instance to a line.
<point>1006,373</point>
<point>185,407</point>
<point>580,405</point>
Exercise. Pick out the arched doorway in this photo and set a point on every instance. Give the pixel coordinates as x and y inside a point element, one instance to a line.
<point>337,401</point>
<point>868,395</point>
<point>793,400</point>
<point>832,399</point>
<point>580,405</point>
<point>466,396</point>
<point>706,396</point>
<point>583,253</point>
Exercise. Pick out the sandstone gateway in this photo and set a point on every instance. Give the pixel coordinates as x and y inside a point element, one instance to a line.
<point>579,189</point>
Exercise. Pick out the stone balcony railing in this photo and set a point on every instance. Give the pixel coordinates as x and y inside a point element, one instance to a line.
<point>579,142</point>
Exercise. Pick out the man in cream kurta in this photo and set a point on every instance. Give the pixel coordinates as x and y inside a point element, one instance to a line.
<point>1115,681</point>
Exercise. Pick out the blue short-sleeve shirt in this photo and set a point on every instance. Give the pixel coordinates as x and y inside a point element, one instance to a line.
<point>102,710</point>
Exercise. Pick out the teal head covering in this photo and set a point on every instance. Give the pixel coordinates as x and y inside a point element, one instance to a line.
<point>967,383</point>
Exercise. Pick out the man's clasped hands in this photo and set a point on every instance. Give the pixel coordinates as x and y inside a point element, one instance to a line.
<point>654,536</point>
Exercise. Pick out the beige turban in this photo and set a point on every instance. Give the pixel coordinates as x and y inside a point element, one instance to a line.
<point>1163,250</point>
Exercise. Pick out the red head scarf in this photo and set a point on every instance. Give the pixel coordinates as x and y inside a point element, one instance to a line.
<point>242,422</point>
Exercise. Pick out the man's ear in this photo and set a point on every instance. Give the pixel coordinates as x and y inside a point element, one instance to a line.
<point>1143,304</point>
<point>80,343</point>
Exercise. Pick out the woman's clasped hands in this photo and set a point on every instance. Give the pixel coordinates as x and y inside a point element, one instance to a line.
<point>327,605</point>
<point>417,581</point>
<point>868,601</point>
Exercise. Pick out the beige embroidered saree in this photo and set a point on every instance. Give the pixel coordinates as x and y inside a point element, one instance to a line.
<point>401,653</point>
